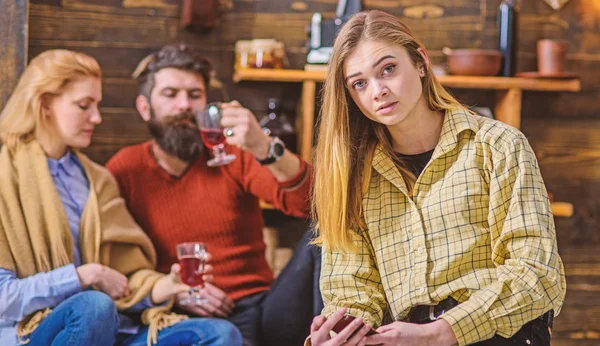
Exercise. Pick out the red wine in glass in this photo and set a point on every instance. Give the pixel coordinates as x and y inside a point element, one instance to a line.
<point>212,137</point>
<point>192,258</point>
<point>190,275</point>
<point>209,120</point>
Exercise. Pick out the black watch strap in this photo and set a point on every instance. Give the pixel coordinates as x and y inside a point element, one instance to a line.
<point>276,150</point>
<point>268,160</point>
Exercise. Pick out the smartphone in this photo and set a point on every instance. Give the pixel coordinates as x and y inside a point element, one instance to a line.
<point>346,320</point>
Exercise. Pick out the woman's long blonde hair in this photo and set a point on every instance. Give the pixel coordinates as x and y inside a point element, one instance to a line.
<point>47,75</point>
<point>347,139</point>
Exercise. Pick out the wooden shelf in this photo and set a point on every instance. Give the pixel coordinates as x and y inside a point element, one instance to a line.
<point>506,83</point>
<point>509,92</point>
<point>274,75</point>
<point>465,82</point>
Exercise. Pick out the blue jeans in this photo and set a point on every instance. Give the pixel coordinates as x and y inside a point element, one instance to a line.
<point>86,318</point>
<point>192,332</point>
<point>91,318</point>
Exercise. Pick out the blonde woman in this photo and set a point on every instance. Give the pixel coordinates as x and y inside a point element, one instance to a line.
<point>435,222</point>
<point>75,269</point>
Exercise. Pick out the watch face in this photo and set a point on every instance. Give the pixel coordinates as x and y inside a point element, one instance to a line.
<point>278,149</point>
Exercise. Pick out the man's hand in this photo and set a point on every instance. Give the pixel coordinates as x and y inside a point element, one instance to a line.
<point>218,304</point>
<point>438,333</point>
<point>105,279</point>
<point>321,327</point>
<point>242,129</point>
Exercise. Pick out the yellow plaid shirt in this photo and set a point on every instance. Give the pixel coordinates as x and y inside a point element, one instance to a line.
<point>478,228</point>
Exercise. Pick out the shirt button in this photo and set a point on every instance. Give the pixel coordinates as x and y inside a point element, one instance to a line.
<point>420,250</point>
<point>423,290</point>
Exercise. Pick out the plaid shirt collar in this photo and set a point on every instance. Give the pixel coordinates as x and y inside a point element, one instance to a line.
<point>455,122</point>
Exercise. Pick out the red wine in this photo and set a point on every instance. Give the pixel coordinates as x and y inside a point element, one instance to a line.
<point>189,271</point>
<point>212,137</point>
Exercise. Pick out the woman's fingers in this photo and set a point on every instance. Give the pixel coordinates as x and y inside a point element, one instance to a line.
<point>175,268</point>
<point>333,319</point>
<point>347,333</point>
<point>317,323</point>
<point>359,335</point>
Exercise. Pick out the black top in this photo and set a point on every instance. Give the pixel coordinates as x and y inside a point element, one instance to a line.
<point>416,163</point>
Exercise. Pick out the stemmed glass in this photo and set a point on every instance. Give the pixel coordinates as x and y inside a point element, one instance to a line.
<point>211,130</point>
<point>192,258</point>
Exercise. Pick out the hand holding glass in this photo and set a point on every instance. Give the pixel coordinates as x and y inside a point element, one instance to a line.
<point>211,130</point>
<point>192,258</point>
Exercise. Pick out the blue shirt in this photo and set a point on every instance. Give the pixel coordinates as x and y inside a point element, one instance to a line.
<point>20,297</point>
<point>73,188</point>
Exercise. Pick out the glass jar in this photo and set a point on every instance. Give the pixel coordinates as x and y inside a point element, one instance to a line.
<point>259,53</point>
<point>242,50</point>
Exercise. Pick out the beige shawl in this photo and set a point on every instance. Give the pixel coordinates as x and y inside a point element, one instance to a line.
<point>35,235</point>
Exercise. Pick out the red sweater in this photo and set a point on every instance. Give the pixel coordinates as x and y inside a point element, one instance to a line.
<point>218,206</point>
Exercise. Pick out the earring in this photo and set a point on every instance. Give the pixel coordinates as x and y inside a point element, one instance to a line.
<point>422,71</point>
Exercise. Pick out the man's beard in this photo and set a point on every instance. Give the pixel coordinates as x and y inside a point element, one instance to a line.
<point>176,136</point>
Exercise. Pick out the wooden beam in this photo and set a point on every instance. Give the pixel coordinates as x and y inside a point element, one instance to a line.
<point>508,107</point>
<point>13,39</point>
<point>562,209</point>
<point>308,115</point>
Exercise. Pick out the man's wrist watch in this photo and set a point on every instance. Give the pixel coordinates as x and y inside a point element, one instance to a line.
<point>276,150</point>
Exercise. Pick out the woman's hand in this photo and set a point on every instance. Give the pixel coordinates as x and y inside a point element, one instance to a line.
<point>321,327</point>
<point>168,286</point>
<point>105,279</point>
<point>438,333</point>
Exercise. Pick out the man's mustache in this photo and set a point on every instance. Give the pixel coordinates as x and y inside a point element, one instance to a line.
<point>180,118</point>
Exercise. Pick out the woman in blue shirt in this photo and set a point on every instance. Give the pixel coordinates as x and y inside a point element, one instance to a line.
<point>74,267</point>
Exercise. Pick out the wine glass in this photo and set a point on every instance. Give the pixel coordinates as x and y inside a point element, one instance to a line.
<point>211,130</point>
<point>192,258</point>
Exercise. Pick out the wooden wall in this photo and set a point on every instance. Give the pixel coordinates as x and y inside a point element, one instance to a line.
<point>13,36</point>
<point>564,128</point>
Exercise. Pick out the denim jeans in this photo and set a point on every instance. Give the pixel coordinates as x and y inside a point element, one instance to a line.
<point>86,318</point>
<point>192,332</point>
<point>91,318</point>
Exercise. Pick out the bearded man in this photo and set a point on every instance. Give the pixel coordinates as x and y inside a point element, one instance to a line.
<point>176,197</point>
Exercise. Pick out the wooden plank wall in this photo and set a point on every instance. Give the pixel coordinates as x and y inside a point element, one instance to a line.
<point>13,54</point>
<point>564,128</point>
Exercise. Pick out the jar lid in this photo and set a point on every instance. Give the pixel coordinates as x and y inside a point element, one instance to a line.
<point>243,45</point>
<point>264,44</point>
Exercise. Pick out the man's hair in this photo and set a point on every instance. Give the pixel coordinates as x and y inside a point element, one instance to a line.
<point>176,56</point>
